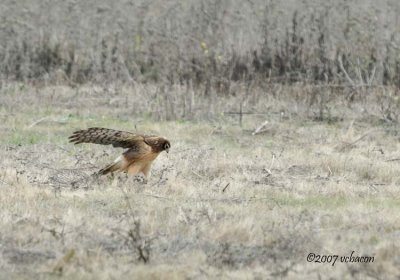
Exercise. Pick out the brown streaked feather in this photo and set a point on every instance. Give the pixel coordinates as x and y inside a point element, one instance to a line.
<point>105,136</point>
<point>141,149</point>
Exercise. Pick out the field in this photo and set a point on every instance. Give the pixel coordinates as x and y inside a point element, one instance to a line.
<point>283,118</point>
<point>224,203</point>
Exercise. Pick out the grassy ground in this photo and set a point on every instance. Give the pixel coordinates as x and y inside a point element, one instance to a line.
<point>222,204</point>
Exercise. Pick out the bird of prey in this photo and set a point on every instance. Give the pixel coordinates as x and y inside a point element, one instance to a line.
<point>140,153</point>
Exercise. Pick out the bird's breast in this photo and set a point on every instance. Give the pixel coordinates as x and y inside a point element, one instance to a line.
<point>144,156</point>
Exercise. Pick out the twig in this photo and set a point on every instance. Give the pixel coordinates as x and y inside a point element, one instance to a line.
<point>241,113</point>
<point>270,166</point>
<point>260,129</point>
<point>37,122</point>
<point>128,204</point>
<point>244,113</point>
<point>157,196</point>
<point>371,78</point>
<point>224,189</point>
<point>329,170</point>
<point>197,174</point>
<point>358,70</point>
<point>392,159</point>
<point>344,71</point>
<point>360,138</point>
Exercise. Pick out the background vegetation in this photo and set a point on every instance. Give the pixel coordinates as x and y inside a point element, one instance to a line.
<point>207,42</point>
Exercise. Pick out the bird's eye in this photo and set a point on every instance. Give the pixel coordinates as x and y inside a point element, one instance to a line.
<point>166,146</point>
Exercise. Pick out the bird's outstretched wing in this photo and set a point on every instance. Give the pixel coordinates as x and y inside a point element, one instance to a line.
<point>105,136</point>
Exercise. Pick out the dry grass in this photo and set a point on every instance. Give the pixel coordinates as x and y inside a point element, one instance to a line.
<point>320,175</point>
<point>221,204</point>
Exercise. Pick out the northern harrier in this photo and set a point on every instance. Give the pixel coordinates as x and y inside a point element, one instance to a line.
<point>140,153</point>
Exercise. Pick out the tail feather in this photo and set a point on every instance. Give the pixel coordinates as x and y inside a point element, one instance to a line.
<point>110,168</point>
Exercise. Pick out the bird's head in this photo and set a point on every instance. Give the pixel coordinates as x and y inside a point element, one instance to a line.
<point>158,144</point>
<point>166,145</point>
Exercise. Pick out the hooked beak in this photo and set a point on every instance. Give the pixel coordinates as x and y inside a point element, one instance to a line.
<point>167,150</point>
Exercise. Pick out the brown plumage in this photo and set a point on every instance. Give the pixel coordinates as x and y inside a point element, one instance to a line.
<point>140,153</point>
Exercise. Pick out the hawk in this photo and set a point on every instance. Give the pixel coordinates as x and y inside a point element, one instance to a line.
<point>140,153</point>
